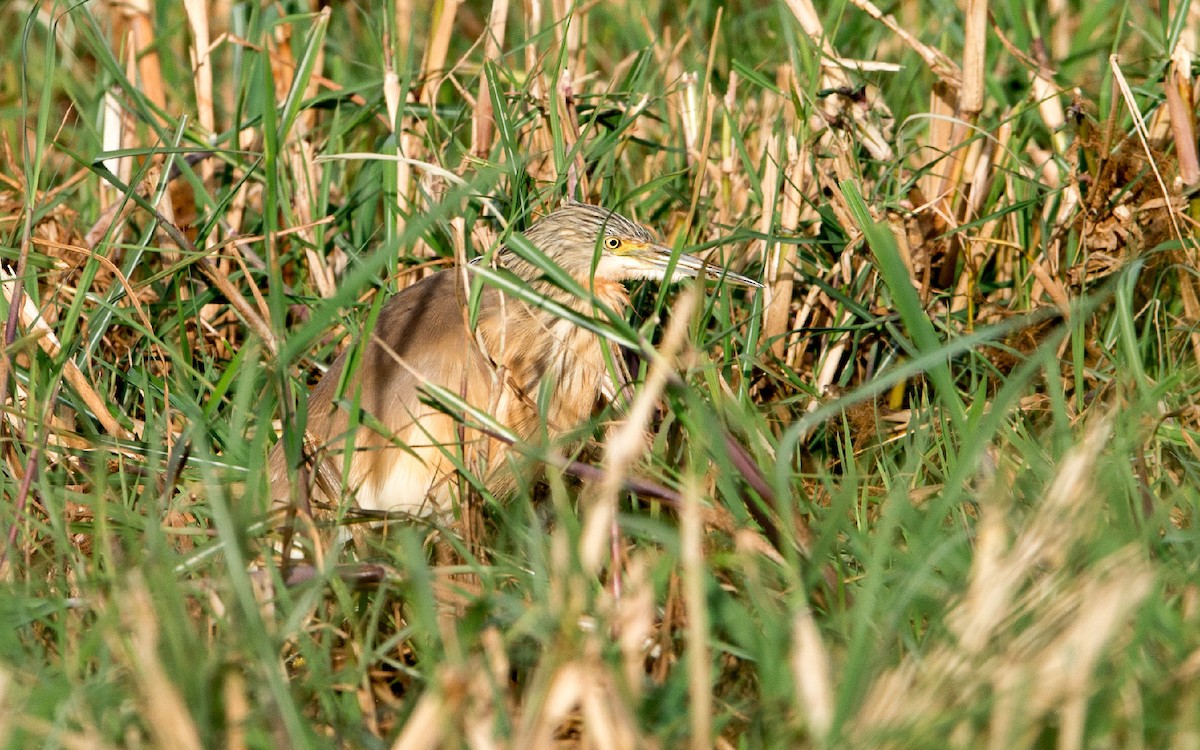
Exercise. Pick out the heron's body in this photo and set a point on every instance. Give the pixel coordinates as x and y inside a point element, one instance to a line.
<point>403,450</point>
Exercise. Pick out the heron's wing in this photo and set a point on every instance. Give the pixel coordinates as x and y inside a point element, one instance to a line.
<point>420,336</point>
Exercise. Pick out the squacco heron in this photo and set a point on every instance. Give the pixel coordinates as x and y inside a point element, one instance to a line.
<point>403,450</point>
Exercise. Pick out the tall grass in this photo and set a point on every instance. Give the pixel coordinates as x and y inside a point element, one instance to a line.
<point>936,485</point>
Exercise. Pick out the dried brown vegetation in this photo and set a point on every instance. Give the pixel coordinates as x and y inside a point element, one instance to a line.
<point>919,492</point>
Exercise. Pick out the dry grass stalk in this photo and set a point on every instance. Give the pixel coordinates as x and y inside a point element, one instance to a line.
<point>34,322</point>
<point>535,76</point>
<point>796,183</point>
<point>1056,677</point>
<point>1049,104</point>
<point>1029,618</point>
<point>1017,577</point>
<point>144,68</point>
<point>1061,28</point>
<point>112,137</point>
<point>426,725</point>
<point>1178,90</point>
<point>699,657</point>
<point>1139,124</point>
<point>576,177</point>
<point>200,52</point>
<point>391,98</point>
<point>690,117</point>
<point>307,176</point>
<point>974,67</point>
<point>538,78</point>
<point>626,443</point>
<point>941,65</point>
<point>202,73</point>
<point>703,177</point>
<point>569,30</point>
<point>976,252</point>
<point>170,721</point>
<point>774,302</point>
<point>409,130</point>
<point>138,16</point>
<point>483,123</point>
<point>812,672</point>
<point>581,697</point>
<point>967,151</point>
<point>996,231</point>
<point>633,621</point>
<point>956,99</point>
<point>402,27</point>
<point>937,147</point>
<point>804,313</point>
<point>433,65</point>
<point>1189,293</point>
<point>237,710</point>
<point>865,115</point>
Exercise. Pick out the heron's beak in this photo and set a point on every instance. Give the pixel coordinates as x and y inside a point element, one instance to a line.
<point>690,267</point>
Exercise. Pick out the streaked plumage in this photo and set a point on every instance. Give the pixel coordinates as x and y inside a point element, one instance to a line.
<point>423,335</point>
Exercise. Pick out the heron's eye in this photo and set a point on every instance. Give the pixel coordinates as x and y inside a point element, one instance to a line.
<point>611,243</point>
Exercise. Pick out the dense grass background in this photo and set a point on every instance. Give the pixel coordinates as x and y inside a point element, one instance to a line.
<point>938,481</point>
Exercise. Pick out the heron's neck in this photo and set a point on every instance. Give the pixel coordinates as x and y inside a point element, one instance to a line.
<point>607,292</point>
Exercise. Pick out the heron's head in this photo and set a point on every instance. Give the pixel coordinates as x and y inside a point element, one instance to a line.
<point>590,242</point>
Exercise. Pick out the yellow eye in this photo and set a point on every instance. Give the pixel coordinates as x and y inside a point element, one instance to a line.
<point>612,243</point>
